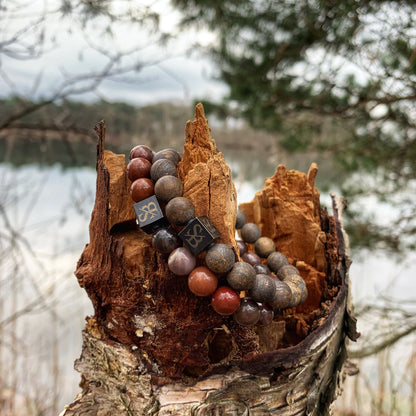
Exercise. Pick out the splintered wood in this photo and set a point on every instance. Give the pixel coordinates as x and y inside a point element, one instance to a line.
<point>145,313</point>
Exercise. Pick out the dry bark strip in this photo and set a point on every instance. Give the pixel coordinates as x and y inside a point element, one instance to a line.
<point>152,348</point>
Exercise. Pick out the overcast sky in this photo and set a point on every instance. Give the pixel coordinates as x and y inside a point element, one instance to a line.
<point>168,73</point>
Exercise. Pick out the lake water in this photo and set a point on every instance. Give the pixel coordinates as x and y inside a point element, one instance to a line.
<point>43,229</point>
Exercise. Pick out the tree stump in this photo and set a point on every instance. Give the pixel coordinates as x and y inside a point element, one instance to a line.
<point>153,348</point>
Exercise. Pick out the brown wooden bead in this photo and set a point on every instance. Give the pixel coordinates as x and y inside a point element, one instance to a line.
<point>161,168</point>
<point>181,261</point>
<point>138,167</point>
<point>141,189</point>
<point>141,151</point>
<point>264,246</point>
<point>202,281</point>
<point>248,313</point>
<point>250,232</point>
<point>168,187</point>
<point>241,276</point>
<point>266,315</point>
<point>225,300</point>
<point>263,289</point>
<point>169,154</point>
<point>251,258</point>
<point>220,258</point>
<point>179,210</point>
<point>282,296</point>
<point>276,260</point>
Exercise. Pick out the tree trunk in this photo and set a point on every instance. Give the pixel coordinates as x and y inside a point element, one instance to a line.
<point>152,348</point>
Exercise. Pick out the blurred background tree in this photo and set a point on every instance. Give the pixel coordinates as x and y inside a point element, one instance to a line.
<point>336,77</point>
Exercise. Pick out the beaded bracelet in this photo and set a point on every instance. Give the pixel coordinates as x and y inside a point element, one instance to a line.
<point>257,291</point>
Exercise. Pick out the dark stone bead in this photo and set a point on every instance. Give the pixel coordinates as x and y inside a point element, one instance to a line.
<point>248,313</point>
<point>202,281</point>
<point>225,301</point>
<point>220,258</point>
<point>166,240</point>
<point>169,154</point>
<point>141,151</point>
<point>276,260</point>
<point>168,187</point>
<point>250,232</point>
<point>241,276</point>
<point>261,269</point>
<point>162,167</point>
<point>141,189</point>
<point>181,261</point>
<point>240,219</point>
<point>266,315</point>
<point>138,168</point>
<point>251,258</point>
<point>264,246</point>
<point>282,297</point>
<point>149,215</point>
<point>198,234</point>
<point>180,210</point>
<point>242,247</point>
<point>287,270</point>
<point>263,289</point>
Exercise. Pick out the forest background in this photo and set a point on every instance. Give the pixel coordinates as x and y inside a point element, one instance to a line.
<point>284,82</point>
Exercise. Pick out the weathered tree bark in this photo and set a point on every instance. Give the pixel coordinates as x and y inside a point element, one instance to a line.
<point>152,348</point>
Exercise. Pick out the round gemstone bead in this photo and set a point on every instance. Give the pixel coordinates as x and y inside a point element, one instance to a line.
<point>225,300</point>
<point>261,269</point>
<point>141,189</point>
<point>282,297</point>
<point>276,260</point>
<point>181,261</point>
<point>266,315</point>
<point>296,294</point>
<point>180,210</point>
<point>264,246</point>
<point>250,232</point>
<point>138,167</point>
<point>240,219</point>
<point>165,240</point>
<point>241,276</point>
<point>202,282</point>
<point>251,258</point>
<point>263,289</point>
<point>286,271</point>
<point>161,168</point>
<point>169,154</point>
<point>242,247</point>
<point>220,258</point>
<point>248,313</point>
<point>168,187</point>
<point>141,151</point>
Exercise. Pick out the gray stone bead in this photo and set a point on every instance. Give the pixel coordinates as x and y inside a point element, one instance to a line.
<point>250,232</point>
<point>220,258</point>
<point>276,260</point>
<point>241,276</point>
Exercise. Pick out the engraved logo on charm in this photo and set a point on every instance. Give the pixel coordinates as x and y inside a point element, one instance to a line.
<point>146,210</point>
<point>193,237</point>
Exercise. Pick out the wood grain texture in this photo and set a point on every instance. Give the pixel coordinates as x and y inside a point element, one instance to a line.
<point>154,348</point>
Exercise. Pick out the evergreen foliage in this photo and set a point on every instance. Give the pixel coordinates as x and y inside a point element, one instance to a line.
<point>298,67</point>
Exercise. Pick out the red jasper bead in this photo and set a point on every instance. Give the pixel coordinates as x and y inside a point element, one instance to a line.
<point>141,151</point>
<point>225,301</point>
<point>138,167</point>
<point>141,189</point>
<point>202,282</point>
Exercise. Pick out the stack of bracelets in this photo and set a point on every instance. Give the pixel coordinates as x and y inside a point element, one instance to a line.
<point>256,290</point>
